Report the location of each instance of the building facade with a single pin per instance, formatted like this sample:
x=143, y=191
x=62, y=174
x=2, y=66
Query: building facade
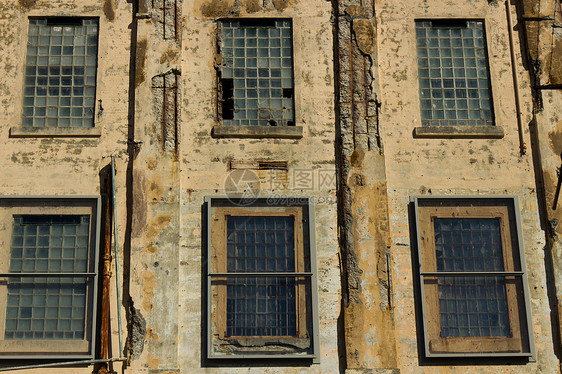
x=280, y=186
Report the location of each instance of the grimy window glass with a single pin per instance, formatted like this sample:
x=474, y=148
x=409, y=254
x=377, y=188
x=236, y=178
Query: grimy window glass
x=261, y=306
x=40, y=307
x=471, y=306
x=472, y=277
x=256, y=73
x=60, y=72
x=454, y=79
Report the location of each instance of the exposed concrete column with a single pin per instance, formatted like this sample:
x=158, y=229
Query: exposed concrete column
x=542, y=30
x=363, y=203
x=156, y=198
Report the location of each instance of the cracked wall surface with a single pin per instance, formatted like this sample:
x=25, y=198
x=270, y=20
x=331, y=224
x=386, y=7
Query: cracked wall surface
x=67, y=166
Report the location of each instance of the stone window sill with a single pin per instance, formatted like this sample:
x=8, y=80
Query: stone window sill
x=55, y=132
x=284, y=132
x=474, y=132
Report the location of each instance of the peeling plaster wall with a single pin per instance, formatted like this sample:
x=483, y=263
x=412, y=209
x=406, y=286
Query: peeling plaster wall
x=67, y=166
x=416, y=166
x=170, y=295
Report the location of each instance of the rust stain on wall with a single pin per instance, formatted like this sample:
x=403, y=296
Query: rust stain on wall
x=217, y=8
x=139, y=204
x=157, y=225
x=252, y=6
x=153, y=362
x=555, y=74
x=555, y=139
x=109, y=10
x=27, y=4
x=283, y=4
x=141, y=62
x=148, y=281
x=168, y=56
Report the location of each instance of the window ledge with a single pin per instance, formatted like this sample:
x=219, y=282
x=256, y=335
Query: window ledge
x=55, y=132
x=285, y=132
x=490, y=132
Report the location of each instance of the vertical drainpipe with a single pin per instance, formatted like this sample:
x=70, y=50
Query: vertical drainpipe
x=104, y=328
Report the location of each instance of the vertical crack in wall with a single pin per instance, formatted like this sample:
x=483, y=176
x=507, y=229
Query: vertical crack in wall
x=166, y=92
x=357, y=120
x=167, y=14
x=363, y=212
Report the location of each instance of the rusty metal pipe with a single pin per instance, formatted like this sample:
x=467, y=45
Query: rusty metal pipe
x=104, y=328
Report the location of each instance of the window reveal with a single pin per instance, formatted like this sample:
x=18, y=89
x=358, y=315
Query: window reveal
x=256, y=73
x=60, y=72
x=454, y=79
x=261, y=281
x=472, y=277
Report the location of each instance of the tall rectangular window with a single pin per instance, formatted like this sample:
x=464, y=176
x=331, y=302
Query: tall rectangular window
x=261, y=279
x=473, y=281
x=454, y=79
x=261, y=306
x=256, y=72
x=60, y=72
x=47, y=303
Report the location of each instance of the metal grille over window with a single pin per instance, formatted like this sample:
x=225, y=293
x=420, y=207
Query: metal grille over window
x=473, y=282
x=453, y=73
x=261, y=279
x=261, y=306
x=60, y=72
x=48, y=307
x=256, y=73
x=471, y=306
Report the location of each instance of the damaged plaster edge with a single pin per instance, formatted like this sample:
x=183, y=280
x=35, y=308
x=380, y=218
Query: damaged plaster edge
x=286, y=132
x=54, y=132
x=490, y=132
x=137, y=333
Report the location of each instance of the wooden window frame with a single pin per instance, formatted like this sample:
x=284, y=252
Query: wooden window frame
x=519, y=341
x=50, y=348
x=299, y=344
x=219, y=264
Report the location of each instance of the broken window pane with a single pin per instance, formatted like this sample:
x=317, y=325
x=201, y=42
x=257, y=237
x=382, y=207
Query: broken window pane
x=255, y=54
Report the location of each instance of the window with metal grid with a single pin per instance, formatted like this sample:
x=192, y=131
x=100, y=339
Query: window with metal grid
x=471, y=306
x=48, y=307
x=256, y=72
x=261, y=306
x=60, y=72
x=454, y=79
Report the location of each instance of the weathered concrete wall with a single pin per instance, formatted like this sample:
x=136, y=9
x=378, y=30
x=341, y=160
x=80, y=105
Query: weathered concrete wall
x=363, y=202
x=67, y=166
x=542, y=33
x=542, y=21
x=457, y=167
x=179, y=163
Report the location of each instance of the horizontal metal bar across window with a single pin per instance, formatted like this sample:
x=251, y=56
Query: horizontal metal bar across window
x=271, y=274
x=470, y=273
x=48, y=275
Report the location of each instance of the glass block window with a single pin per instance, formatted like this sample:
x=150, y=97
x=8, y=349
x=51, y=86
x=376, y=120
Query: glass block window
x=471, y=276
x=60, y=72
x=471, y=306
x=256, y=73
x=48, y=307
x=261, y=306
x=261, y=281
x=454, y=79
